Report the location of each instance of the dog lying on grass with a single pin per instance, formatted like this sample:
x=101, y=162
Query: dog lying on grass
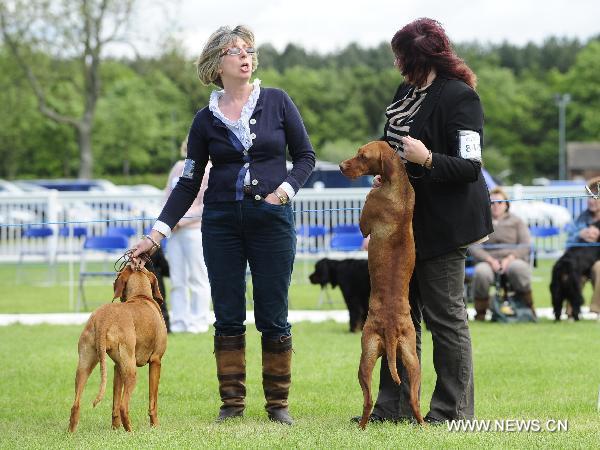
x=132, y=333
x=387, y=218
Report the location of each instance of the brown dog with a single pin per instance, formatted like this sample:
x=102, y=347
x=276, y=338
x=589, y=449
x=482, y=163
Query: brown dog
x=387, y=217
x=133, y=333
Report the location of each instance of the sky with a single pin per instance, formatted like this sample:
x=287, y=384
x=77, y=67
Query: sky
x=325, y=26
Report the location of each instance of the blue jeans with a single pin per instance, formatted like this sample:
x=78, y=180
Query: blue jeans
x=262, y=235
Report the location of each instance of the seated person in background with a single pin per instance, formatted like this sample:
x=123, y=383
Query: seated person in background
x=510, y=257
x=582, y=230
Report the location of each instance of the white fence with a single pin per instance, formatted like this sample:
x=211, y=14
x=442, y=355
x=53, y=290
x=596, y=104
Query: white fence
x=62, y=211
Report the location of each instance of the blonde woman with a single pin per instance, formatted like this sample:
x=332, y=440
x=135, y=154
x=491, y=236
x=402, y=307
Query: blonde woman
x=247, y=219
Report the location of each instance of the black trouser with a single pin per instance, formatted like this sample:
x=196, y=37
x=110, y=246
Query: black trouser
x=436, y=294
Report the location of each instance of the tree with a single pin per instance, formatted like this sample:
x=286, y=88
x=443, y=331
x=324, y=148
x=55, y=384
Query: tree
x=72, y=34
x=581, y=81
x=140, y=123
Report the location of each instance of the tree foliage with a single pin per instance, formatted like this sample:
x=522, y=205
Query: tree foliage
x=145, y=105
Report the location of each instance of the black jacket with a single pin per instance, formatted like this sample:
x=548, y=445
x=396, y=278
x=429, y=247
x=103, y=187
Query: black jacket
x=452, y=203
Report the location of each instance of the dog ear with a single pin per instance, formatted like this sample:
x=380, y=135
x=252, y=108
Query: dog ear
x=386, y=162
x=121, y=282
x=155, y=289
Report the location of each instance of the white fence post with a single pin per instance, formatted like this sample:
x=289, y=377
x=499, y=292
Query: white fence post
x=52, y=216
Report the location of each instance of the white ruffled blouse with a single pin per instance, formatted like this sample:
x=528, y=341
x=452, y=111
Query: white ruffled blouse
x=240, y=127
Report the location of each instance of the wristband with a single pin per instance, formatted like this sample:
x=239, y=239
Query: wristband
x=427, y=160
x=154, y=243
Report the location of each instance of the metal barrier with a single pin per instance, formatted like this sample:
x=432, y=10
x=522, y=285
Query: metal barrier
x=326, y=208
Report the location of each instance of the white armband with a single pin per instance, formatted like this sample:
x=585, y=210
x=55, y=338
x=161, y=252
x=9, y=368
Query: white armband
x=469, y=144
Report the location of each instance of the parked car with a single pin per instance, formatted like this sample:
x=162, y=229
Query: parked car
x=75, y=185
x=327, y=175
x=536, y=212
x=8, y=187
x=140, y=188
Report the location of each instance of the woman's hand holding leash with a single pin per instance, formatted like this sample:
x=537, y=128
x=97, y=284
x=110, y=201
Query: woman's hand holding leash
x=148, y=244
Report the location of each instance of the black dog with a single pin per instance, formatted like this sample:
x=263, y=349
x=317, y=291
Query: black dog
x=160, y=267
x=568, y=275
x=352, y=276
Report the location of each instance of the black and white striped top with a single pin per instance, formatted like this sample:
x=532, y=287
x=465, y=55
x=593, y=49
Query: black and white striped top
x=400, y=115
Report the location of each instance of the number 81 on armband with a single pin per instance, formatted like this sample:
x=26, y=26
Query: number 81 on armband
x=469, y=144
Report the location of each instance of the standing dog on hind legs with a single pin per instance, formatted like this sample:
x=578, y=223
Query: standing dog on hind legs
x=133, y=333
x=387, y=217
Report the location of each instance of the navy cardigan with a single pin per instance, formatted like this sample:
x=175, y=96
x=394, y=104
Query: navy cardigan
x=276, y=124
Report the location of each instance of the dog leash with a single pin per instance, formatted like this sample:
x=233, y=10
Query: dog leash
x=127, y=258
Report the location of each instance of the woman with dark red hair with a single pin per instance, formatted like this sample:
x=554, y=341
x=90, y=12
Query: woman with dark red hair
x=435, y=123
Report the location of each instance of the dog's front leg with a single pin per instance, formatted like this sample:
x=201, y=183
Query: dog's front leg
x=154, y=378
x=117, y=394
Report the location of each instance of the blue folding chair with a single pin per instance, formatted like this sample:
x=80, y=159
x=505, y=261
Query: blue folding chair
x=106, y=245
x=78, y=232
x=121, y=231
x=345, y=229
x=342, y=242
x=346, y=242
x=542, y=237
x=311, y=238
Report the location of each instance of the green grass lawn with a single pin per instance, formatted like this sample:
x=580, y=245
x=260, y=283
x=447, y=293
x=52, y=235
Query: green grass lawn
x=34, y=293
x=525, y=371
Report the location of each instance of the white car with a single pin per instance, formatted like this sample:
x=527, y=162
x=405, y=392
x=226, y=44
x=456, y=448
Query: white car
x=541, y=213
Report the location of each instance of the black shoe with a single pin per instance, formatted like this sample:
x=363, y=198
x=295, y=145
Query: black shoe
x=374, y=418
x=280, y=415
x=434, y=422
x=226, y=413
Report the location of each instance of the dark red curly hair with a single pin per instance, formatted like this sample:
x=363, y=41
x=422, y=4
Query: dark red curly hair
x=423, y=45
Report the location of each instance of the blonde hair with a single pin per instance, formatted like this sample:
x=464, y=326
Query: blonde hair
x=209, y=61
x=499, y=191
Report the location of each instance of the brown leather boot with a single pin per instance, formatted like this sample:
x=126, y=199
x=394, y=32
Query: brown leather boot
x=528, y=300
x=230, y=353
x=481, y=306
x=277, y=377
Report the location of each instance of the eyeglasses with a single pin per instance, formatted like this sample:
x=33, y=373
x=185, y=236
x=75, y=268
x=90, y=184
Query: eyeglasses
x=234, y=51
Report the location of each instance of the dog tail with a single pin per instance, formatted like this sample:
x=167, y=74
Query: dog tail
x=101, y=348
x=391, y=344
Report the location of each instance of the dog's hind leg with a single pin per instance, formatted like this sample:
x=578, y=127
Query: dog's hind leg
x=576, y=304
x=154, y=378
x=372, y=349
x=88, y=358
x=117, y=396
x=410, y=360
x=129, y=376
